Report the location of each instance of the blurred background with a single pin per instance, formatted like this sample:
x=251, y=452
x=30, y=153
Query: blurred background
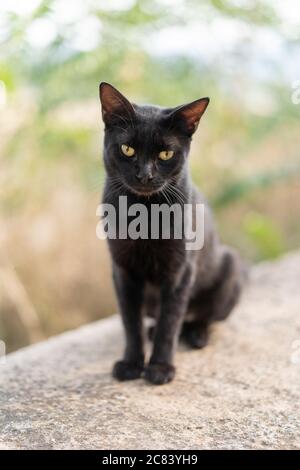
x=244, y=54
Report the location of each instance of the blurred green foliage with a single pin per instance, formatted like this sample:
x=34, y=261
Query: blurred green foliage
x=265, y=234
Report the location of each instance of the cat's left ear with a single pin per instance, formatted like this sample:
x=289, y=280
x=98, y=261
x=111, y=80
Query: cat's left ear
x=190, y=114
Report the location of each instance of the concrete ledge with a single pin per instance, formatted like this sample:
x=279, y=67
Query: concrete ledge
x=242, y=391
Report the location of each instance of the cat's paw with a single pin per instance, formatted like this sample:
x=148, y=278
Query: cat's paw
x=197, y=339
x=195, y=335
x=124, y=370
x=159, y=374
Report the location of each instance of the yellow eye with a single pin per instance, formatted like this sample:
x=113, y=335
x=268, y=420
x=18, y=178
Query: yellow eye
x=166, y=154
x=128, y=151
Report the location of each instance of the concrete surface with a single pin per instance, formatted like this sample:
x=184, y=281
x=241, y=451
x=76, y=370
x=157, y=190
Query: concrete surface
x=242, y=391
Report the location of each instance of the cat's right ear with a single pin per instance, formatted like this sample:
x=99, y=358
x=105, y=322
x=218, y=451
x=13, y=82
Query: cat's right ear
x=187, y=116
x=115, y=106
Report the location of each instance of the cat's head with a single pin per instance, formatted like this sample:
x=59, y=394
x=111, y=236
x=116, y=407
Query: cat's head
x=146, y=147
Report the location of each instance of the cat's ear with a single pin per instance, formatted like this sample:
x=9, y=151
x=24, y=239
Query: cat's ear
x=114, y=105
x=189, y=115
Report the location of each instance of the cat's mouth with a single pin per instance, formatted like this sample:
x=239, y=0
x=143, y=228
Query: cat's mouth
x=145, y=190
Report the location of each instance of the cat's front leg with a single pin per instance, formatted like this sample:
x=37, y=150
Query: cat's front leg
x=130, y=298
x=174, y=301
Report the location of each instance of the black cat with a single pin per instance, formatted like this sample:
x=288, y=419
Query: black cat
x=146, y=159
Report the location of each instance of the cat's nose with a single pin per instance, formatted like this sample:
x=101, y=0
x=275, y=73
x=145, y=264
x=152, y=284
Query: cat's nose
x=144, y=176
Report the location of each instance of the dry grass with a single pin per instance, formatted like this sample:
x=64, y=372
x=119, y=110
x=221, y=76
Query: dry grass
x=62, y=270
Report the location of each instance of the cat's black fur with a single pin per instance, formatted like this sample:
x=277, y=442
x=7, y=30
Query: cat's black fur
x=185, y=291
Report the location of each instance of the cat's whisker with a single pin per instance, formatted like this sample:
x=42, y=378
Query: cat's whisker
x=116, y=185
x=166, y=196
x=172, y=190
x=179, y=191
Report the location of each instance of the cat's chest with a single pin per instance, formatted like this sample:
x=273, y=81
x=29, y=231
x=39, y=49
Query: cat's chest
x=152, y=259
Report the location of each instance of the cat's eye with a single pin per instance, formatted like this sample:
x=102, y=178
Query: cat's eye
x=127, y=150
x=166, y=154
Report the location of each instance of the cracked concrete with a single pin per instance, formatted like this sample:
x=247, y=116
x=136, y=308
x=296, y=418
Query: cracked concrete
x=241, y=392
